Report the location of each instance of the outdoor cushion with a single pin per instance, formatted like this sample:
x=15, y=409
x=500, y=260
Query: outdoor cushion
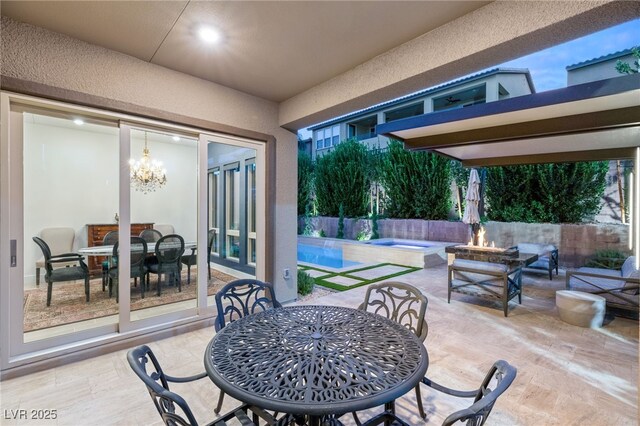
x=479, y=266
x=615, y=281
x=542, y=250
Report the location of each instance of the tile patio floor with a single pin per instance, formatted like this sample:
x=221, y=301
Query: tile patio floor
x=566, y=375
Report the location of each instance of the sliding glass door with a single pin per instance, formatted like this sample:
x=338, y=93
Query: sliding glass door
x=84, y=191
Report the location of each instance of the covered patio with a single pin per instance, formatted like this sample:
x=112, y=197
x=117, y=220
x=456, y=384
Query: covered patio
x=566, y=375
x=133, y=68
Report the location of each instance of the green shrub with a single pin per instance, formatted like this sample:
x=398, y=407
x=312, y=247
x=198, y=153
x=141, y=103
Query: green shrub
x=322, y=234
x=342, y=177
x=305, y=283
x=417, y=184
x=554, y=193
x=608, y=258
x=305, y=182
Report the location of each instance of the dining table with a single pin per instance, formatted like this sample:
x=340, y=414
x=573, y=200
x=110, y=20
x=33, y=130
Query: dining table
x=316, y=362
x=107, y=250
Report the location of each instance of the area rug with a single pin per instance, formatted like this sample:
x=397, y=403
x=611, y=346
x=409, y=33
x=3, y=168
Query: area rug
x=68, y=301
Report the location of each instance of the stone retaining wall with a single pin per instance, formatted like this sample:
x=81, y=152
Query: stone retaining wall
x=576, y=243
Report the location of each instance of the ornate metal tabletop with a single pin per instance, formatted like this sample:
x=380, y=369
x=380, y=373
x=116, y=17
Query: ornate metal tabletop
x=315, y=360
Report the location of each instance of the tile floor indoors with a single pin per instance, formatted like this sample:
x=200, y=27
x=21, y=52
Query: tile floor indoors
x=566, y=375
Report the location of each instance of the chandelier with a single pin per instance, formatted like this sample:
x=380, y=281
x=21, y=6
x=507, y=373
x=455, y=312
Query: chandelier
x=147, y=175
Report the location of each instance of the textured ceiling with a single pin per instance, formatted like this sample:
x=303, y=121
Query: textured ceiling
x=270, y=49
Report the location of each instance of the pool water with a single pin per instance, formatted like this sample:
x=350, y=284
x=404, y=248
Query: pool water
x=323, y=256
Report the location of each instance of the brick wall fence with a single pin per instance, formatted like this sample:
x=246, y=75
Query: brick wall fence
x=576, y=243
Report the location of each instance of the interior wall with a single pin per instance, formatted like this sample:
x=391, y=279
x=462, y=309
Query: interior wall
x=35, y=55
x=71, y=180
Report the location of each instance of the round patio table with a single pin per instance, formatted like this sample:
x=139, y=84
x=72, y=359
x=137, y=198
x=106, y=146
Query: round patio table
x=315, y=360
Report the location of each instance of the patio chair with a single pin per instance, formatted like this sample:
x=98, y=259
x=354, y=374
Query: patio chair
x=403, y=304
x=487, y=280
x=500, y=376
x=68, y=273
x=173, y=409
x=59, y=240
x=169, y=251
x=110, y=239
x=238, y=299
x=138, y=268
x=191, y=259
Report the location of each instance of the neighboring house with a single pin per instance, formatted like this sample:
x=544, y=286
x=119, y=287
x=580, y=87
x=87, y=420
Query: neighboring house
x=595, y=69
x=487, y=86
x=598, y=68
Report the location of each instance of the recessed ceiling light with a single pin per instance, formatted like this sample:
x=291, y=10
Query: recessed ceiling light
x=209, y=35
x=176, y=138
x=78, y=121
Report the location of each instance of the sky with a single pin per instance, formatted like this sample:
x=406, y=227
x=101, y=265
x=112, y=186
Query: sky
x=548, y=66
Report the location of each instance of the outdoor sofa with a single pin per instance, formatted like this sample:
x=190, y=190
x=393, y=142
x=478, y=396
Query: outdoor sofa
x=621, y=288
x=547, y=256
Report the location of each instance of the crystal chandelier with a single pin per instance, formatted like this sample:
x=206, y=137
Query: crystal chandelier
x=147, y=175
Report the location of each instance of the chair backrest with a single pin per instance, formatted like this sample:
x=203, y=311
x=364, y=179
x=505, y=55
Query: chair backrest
x=244, y=297
x=210, y=237
x=151, y=235
x=173, y=409
x=46, y=252
x=170, y=248
x=110, y=238
x=495, y=383
x=59, y=240
x=138, y=252
x=400, y=302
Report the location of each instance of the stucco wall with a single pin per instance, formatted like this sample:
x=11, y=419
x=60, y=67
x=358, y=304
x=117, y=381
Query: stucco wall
x=41, y=56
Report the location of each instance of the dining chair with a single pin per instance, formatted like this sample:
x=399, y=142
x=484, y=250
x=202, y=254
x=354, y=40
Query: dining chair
x=191, y=259
x=169, y=251
x=404, y=304
x=496, y=382
x=151, y=235
x=110, y=238
x=59, y=240
x=68, y=273
x=138, y=253
x=238, y=299
x=173, y=409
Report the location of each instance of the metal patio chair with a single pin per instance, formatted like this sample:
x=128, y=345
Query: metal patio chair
x=404, y=304
x=238, y=299
x=173, y=409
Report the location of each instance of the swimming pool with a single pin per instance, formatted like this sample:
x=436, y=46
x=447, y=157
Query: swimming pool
x=323, y=256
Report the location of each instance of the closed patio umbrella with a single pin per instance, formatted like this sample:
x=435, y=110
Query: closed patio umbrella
x=471, y=215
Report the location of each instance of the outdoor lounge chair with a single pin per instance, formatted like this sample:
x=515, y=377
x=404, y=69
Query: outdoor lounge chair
x=547, y=256
x=486, y=280
x=173, y=409
x=621, y=288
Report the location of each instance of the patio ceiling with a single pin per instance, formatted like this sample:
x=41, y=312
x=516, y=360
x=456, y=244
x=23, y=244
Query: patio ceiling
x=593, y=121
x=270, y=49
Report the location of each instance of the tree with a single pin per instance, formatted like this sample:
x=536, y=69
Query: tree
x=625, y=68
x=417, y=184
x=305, y=182
x=342, y=176
x=555, y=193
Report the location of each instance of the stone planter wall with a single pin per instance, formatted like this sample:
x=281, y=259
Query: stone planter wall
x=576, y=243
